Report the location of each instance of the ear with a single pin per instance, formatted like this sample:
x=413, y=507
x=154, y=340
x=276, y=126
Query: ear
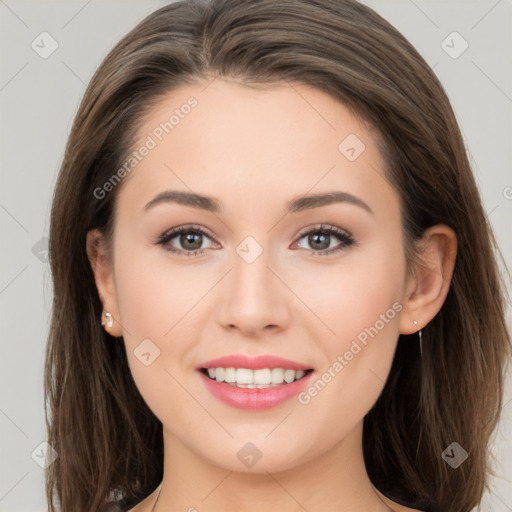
x=429, y=282
x=103, y=270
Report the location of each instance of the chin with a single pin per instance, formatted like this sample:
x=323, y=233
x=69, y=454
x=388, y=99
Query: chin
x=256, y=456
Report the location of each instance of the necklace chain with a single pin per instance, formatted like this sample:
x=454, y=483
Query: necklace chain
x=154, y=506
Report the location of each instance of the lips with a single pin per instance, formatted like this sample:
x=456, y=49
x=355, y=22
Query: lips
x=254, y=363
x=254, y=383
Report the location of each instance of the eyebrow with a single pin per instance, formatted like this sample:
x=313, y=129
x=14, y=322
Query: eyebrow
x=295, y=205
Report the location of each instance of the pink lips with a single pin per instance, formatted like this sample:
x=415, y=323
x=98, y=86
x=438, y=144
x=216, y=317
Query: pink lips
x=254, y=399
x=254, y=363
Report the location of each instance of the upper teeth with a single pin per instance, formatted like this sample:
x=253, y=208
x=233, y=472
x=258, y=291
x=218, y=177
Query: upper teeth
x=245, y=377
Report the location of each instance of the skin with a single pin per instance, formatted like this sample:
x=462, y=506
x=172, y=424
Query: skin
x=254, y=150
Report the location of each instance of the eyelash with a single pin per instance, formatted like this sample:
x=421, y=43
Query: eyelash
x=345, y=237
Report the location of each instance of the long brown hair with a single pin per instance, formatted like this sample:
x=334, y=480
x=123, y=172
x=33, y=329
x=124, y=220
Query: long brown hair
x=108, y=441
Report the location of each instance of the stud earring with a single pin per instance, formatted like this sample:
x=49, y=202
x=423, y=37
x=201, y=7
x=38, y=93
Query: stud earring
x=110, y=321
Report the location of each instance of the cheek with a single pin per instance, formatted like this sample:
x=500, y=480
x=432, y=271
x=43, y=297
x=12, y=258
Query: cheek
x=159, y=303
x=353, y=294
x=152, y=294
x=152, y=306
x=360, y=302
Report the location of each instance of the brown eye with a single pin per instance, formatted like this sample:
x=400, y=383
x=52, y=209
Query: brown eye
x=321, y=237
x=184, y=240
x=191, y=241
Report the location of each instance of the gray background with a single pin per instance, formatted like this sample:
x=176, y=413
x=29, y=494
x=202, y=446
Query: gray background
x=38, y=100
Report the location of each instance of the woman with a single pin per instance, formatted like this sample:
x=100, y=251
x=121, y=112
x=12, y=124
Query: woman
x=275, y=286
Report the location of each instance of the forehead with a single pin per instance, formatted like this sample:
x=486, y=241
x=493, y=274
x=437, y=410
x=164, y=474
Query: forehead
x=276, y=140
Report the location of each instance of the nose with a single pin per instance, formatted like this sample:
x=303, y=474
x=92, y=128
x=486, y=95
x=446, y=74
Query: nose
x=255, y=299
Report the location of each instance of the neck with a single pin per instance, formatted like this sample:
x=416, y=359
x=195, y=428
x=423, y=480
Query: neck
x=336, y=480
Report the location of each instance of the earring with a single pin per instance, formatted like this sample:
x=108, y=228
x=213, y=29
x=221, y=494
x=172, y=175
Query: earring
x=110, y=321
x=415, y=322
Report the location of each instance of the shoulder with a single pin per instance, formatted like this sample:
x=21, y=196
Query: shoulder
x=402, y=508
x=394, y=506
x=119, y=506
x=112, y=507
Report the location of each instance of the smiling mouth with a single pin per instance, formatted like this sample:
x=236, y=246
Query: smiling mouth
x=255, y=379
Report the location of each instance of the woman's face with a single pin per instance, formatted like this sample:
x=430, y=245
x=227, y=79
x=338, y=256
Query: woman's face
x=265, y=278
